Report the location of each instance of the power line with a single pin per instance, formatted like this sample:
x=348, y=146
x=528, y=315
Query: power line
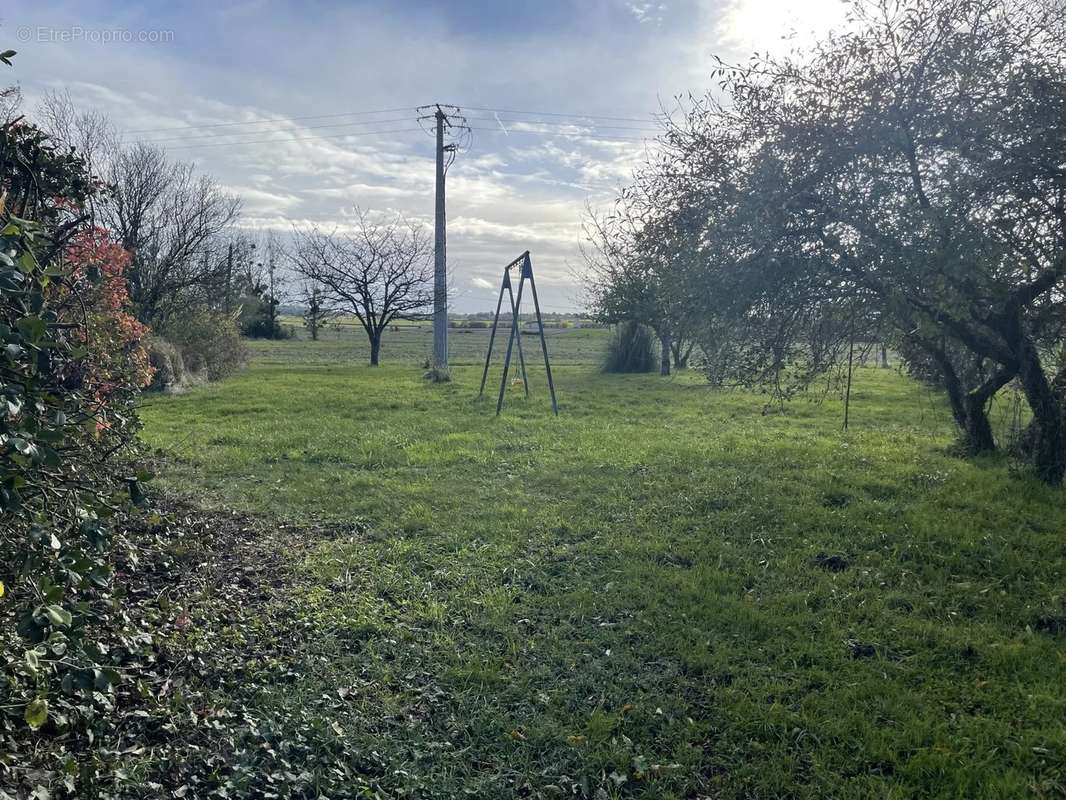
x=596, y=126
x=214, y=136
x=589, y=135
x=209, y=136
x=295, y=139
x=277, y=119
x=338, y=115
x=285, y=139
x=557, y=114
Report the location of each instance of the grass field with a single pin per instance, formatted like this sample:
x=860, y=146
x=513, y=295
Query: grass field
x=662, y=593
x=411, y=343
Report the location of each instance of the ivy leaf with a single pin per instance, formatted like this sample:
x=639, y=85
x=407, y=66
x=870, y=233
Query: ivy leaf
x=27, y=263
x=33, y=328
x=58, y=615
x=36, y=713
x=1, y=588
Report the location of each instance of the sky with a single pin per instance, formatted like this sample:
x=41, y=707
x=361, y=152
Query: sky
x=308, y=110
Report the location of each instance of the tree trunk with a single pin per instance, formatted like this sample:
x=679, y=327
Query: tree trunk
x=682, y=350
x=1028, y=437
x=968, y=407
x=1048, y=430
x=375, y=349
x=664, y=358
x=977, y=430
x=884, y=357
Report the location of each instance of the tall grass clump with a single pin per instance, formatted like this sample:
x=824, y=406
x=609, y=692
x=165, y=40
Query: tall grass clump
x=630, y=349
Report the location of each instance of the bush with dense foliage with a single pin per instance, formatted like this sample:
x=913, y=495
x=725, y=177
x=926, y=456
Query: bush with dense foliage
x=117, y=358
x=259, y=317
x=71, y=361
x=209, y=343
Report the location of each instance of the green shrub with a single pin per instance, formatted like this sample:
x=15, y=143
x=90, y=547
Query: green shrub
x=210, y=343
x=70, y=367
x=631, y=349
x=258, y=318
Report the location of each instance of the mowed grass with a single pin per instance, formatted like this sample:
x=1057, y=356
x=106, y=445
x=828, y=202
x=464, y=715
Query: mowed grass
x=663, y=593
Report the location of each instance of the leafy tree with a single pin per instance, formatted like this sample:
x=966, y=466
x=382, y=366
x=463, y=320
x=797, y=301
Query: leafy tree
x=925, y=146
x=635, y=274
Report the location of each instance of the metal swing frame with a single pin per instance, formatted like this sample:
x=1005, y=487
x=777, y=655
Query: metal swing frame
x=525, y=264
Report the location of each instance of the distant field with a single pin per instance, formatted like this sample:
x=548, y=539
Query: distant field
x=410, y=342
x=662, y=593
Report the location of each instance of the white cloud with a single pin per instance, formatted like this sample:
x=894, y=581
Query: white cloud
x=506, y=193
x=645, y=12
x=774, y=25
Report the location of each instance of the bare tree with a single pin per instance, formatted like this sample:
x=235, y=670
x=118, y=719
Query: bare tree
x=168, y=217
x=379, y=272
x=89, y=132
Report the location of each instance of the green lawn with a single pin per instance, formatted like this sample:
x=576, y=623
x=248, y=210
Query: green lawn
x=663, y=592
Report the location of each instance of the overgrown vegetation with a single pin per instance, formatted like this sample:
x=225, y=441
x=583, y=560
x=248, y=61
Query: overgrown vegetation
x=209, y=343
x=189, y=273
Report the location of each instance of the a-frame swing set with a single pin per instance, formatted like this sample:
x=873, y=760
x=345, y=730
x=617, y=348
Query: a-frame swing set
x=523, y=263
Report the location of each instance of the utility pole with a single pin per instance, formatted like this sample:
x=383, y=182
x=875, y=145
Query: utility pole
x=445, y=118
x=440, y=260
x=272, y=305
x=227, y=299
